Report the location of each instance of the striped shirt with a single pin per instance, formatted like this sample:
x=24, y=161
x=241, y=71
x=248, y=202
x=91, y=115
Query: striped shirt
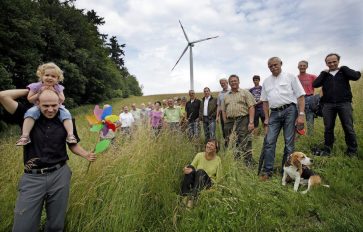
x=236, y=104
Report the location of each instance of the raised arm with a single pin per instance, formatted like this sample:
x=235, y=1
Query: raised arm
x=32, y=96
x=8, y=97
x=350, y=73
x=61, y=97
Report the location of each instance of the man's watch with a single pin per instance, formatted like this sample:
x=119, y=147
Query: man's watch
x=302, y=113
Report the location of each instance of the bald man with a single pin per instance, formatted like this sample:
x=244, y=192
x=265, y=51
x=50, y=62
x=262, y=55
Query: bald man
x=46, y=177
x=282, y=95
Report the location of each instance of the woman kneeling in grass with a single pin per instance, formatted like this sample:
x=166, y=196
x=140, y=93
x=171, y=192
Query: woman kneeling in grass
x=205, y=169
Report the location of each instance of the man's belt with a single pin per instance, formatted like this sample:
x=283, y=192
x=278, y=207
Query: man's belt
x=45, y=170
x=280, y=108
x=309, y=95
x=237, y=117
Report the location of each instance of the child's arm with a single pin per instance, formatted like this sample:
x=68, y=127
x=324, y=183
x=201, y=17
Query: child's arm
x=61, y=97
x=32, y=96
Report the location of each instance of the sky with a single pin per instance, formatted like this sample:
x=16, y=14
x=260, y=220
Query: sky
x=250, y=32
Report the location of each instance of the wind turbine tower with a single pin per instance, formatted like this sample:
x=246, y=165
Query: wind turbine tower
x=190, y=45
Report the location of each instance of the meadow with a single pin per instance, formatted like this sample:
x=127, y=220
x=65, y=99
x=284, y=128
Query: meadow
x=134, y=185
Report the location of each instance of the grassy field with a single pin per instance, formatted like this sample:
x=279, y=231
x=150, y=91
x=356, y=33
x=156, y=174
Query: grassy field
x=134, y=185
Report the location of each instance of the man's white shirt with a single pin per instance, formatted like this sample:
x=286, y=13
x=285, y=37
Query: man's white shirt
x=126, y=119
x=281, y=90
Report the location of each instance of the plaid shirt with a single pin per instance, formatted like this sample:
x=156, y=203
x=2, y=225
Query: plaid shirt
x=236, y=104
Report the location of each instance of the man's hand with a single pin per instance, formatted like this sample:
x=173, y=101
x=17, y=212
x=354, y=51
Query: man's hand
x=251, y=126
x=300, y=121
x=266, y=121
x=90, y=156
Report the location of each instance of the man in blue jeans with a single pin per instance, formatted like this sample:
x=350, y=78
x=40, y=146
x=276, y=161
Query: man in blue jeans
x=280, y=93
x=306, y=81
x=337, y=98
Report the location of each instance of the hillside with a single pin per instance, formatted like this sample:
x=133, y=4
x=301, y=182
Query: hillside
x=134, y=185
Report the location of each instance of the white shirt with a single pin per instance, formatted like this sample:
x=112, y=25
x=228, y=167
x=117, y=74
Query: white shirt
x=126, y=119
x=281, y=90
x=205, y=110
x=334, y=72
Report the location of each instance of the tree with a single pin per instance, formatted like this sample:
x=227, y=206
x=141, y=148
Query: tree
x=116, y=52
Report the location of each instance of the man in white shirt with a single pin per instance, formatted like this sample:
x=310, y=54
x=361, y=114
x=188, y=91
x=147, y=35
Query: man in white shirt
x=126, y=120
x=280, y=93
x=207, y=114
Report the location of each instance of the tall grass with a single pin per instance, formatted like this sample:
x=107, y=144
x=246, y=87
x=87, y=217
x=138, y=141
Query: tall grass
x=134, y=185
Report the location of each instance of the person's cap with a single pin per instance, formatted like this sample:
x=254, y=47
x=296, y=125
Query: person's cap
x=300, y=129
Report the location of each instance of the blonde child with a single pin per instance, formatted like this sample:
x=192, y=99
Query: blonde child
x=49, y=77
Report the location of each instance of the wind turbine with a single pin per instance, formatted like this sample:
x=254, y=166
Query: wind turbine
x=190, y=45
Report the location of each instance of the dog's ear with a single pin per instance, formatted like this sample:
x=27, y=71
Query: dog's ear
x=296, y=162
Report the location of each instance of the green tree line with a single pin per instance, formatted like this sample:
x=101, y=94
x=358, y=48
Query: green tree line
x=36, y=31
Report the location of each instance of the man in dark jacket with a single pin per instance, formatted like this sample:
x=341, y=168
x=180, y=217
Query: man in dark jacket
x=208, y=113
x=337, y=100
x=192, y=109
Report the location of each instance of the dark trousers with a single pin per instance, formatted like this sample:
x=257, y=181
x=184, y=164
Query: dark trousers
x=222, y=125
x=194, y=182
x=209, y=125
x=244, y=139
x=345, y=112
x=259, y=114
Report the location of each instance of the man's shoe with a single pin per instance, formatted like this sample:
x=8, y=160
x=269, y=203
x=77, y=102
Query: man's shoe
x=265, y=177
x=190, y=203
x=352, y=154
x=185, y=200
x=249, y=162
x=320, y=152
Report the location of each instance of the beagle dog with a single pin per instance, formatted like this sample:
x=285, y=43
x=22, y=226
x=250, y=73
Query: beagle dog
x=297, y=168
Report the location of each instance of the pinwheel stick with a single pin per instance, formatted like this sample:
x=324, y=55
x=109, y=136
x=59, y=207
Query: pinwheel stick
x=101, y=146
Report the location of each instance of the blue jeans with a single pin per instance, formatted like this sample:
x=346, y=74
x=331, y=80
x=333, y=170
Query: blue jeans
x=309, y=114
x=345, y=112
x=284, y=119
x=259, y=114
x=209, y=125
x=193, y=129
x=34, y=113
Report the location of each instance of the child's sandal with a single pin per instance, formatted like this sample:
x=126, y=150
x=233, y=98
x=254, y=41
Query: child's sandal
x=24, y=140
x=71, y=139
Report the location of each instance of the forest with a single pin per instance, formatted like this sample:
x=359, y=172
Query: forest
x=33, y=32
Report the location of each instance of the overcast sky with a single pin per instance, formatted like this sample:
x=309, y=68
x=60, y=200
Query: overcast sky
x=249, y=31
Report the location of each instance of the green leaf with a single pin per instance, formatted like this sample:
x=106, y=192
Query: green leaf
x=96, y=128
x=102, y=146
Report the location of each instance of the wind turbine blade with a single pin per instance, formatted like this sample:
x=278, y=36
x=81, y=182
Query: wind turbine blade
x=185, y=34
x=186, y=48
x=197, y=41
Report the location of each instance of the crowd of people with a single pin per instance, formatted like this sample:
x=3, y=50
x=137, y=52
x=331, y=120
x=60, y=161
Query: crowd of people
x=283, y=102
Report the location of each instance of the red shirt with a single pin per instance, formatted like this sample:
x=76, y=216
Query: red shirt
x=306, y=81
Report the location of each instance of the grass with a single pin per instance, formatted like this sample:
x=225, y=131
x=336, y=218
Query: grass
x=134, y=185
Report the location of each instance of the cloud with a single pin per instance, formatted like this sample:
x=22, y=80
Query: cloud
x=250, y=31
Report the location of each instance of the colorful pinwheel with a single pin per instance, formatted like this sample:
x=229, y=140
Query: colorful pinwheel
x=102, y=120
